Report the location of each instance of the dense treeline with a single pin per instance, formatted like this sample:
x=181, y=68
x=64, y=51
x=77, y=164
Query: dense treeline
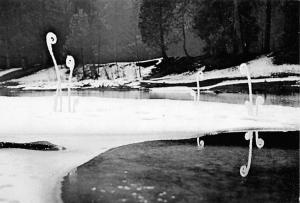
x=23, y=26
x=97, y=31
x=231, y=27
x=91, y=30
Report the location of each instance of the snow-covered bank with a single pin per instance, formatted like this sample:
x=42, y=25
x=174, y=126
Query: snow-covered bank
x=127, y=75
x=100, y=124
x=4, y=72
x=261, y=67
x=110, y=75
x=179, y=89
x=261, y=80
x=34, y=116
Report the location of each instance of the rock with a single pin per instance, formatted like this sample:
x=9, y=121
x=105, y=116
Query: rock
x=39, y=145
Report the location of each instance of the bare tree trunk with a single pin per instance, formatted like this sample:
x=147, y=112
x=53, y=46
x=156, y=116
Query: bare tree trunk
x=115, y=49
x=19, y=51
x=23, y=59
x=99, y=52
x=115, y=39
x=7, y=54
x=237, y=41
x=161, y=34
x=137, y=50
x=136, y=19
x=23, y=62
x=267, y=27
x=106, y=73
x=183, y=30
x=137, y=55
x=184, y=40
x=99, y=58
x=44, y=59
x=83, y=73
x=115, y=45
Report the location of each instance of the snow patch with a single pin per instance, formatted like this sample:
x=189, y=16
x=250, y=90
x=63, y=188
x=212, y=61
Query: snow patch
x=4, y=72
x=234, y=82
x=100, y=124
x=111, y=75
x=262, y=67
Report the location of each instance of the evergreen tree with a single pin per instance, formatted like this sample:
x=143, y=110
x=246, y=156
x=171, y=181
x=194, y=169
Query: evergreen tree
x=268, y=26
x=8, y=27
x=213, y=23
x=155, y=23
x=78, y=41
x=291, y=23
x=231, y=28
x=183, y=20
x=249, y=27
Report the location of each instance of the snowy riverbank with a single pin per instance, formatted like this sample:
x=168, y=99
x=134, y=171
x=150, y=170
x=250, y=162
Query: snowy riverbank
x=126, y=75
x=262, y=71
x=110, y=75
x=258, y=68
x=100, y=124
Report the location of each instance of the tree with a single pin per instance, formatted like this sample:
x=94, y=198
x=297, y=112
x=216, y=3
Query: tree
x=237, y=35
x=78, y=41
x=249, y=28
x=219, y=31
x=155, y=23
x=231, y=28
x=8, y=26
x=267, y=26
x=183, y=21
x=136, y=34
x=291, y=20
x=24, y=25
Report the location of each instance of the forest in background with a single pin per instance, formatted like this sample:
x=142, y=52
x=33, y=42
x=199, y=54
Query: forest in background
x=100, y=31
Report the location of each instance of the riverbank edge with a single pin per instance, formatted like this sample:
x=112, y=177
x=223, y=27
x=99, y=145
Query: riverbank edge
x=284, y=87
x=209, y=135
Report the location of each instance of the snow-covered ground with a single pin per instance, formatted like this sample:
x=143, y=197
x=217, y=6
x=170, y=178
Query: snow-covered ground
x=233, y=82
x=4, y=72
x=127, y=74
x=99, y=124
x=261, y=67
x=120, y=74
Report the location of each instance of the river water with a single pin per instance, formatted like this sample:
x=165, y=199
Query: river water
x=234, y=98
x=176, y=171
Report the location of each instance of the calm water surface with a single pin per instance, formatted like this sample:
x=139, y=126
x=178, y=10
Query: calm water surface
x=176, y=171
x=235, y=98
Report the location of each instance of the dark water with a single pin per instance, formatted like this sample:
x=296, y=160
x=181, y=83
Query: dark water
x=235, y=98
x=177, y=171
x=124, y=94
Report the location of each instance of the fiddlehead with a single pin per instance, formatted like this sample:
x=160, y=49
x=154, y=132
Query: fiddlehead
x=259, y=141
x=70, y=63
x=200, y=143
x=51, y=39
x=245, y=71
x=244, y=170
x=199, y=77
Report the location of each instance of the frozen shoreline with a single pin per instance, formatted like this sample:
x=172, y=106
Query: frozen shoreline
x=100, y=124
x=261, y=70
